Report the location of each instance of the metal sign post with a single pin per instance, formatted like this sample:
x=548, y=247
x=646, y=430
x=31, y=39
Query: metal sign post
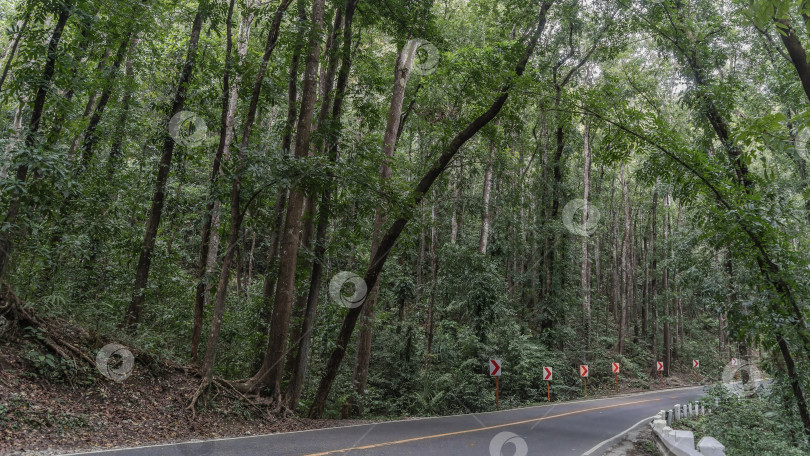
x=495, y=371
x=583, y=372
x=616, y=371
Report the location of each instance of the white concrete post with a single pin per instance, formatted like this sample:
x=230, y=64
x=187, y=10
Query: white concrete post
x=677, y=410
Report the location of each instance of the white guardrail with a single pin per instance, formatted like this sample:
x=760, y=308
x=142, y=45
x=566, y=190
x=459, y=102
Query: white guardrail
x=682, y=443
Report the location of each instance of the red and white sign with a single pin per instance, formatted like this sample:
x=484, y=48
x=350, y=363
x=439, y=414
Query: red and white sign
x=547, y=374
x=615, y=368
x=660, y=366
x=733, y=361
x=583, y=371
x=494, y=368
x=695, y=363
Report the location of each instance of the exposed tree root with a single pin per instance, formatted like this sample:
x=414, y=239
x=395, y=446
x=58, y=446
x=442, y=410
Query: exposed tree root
x=14, y=311
x=234, y=390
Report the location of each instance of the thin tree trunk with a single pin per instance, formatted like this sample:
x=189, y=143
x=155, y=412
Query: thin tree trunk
x=210, y=237
x=90, y=133
x=666, y=291
x=586, y=264
x=485, y=214
x=434, y=268
x=6, y=242
x=279, y=211
x=626, y=264
x=211, y=216
x=116, y=150
x=135, y=308
x=15, y=43
x=456, y=198
x=654, y=271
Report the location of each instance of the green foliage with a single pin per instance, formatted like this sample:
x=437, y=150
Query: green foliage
x=766, y=425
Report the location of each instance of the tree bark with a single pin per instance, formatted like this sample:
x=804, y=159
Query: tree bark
x=116, y=150
x=654, y=271
x=487, y=193
x=626, y=292
x=90, y=133
x=271, y=371
x=666, y=291
x=279, y=211
x=236, y=214
x=585, y=282
x=297, y=379
x=135, y=308
x=402, y=72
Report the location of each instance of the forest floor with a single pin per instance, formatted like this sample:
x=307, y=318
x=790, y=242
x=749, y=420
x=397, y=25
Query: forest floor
x=49, y=407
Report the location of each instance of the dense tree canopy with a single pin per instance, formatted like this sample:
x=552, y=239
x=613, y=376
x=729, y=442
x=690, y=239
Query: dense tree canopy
x=554, y=183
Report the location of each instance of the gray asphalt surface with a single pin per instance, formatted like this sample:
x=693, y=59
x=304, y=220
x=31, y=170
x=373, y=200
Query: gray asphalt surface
x=569, y=428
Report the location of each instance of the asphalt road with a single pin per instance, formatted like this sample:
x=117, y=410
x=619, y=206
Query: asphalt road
x=569, y=428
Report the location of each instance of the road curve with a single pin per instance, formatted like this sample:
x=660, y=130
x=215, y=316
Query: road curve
x=560, y=429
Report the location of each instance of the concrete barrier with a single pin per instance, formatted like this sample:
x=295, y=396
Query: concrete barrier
x=671, y=442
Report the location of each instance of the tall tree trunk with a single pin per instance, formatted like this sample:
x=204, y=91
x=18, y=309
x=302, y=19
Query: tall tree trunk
x=626, y=293
x=402, y=72
x=434, y=268
x=297, y=379
x=211, y=217
x=585, y=282
x=90, y=133
x=236, y=214
x=487, y=193
x=48, y=70
x=116, y=150
x=666, y=292
x=389, y=239
x=279, y=211
x=272, y=367
x=654, y=271
x=135, y=308
x=212, y=209
x=454, y=219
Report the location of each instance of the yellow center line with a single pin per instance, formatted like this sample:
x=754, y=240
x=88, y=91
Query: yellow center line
x=486, y=428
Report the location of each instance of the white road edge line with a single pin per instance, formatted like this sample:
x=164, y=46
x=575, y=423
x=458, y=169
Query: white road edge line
x=615, y=438
x=109, y=450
